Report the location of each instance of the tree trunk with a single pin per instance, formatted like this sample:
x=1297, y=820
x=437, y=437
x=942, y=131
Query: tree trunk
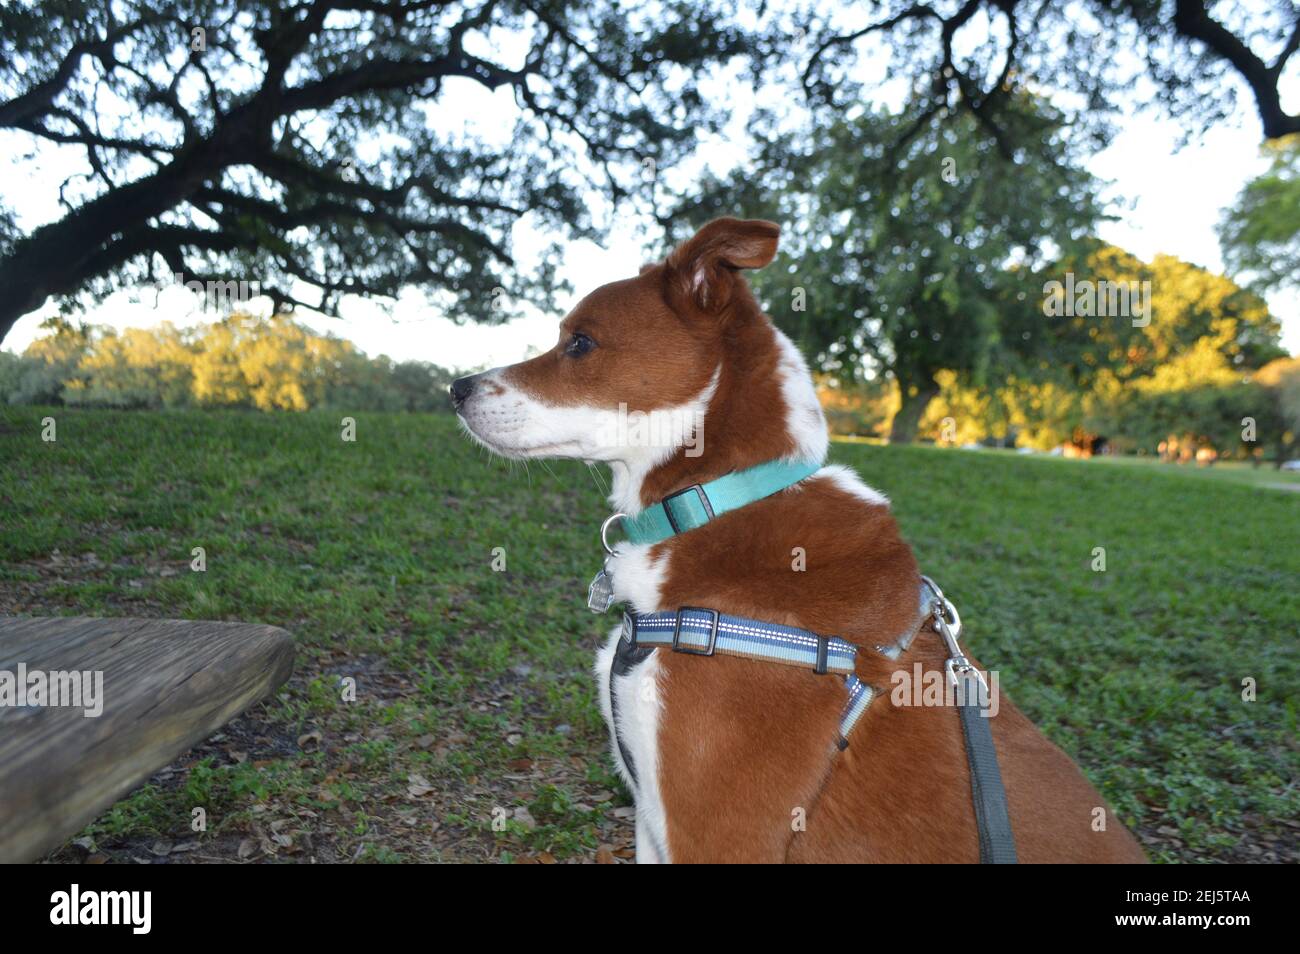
x=916, y=398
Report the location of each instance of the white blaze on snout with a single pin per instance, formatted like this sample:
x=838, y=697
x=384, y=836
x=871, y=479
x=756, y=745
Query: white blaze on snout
x=513, y=423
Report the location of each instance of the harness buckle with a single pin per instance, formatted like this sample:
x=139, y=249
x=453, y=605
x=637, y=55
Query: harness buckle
x=704, y=502
x=713, y=633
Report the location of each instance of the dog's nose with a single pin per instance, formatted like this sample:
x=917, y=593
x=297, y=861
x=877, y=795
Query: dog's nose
x=460, y=390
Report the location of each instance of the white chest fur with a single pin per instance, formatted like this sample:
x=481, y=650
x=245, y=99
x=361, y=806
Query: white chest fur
x=636, y=700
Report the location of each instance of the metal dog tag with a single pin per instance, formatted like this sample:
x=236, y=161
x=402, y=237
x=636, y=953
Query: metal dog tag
x=600, y=595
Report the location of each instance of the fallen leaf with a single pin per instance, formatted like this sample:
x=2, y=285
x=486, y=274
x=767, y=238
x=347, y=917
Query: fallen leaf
x=525, y=818
x=418, y=786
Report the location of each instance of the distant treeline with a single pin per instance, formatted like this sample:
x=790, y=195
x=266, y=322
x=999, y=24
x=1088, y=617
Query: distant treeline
x=242, y=361
x=1190, y=407
x=1201, y=373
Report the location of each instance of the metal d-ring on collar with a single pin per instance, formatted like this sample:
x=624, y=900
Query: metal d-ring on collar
x=604, y=530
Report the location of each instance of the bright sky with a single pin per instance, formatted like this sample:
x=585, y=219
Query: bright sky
x=1167, y=201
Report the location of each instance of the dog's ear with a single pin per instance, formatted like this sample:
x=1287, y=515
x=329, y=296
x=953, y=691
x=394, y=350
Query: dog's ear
x=703, y=268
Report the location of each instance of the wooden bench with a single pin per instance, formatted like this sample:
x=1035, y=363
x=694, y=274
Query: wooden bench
x=167, y=685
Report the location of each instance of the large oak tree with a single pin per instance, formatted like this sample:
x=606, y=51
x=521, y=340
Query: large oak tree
x=1191, y=58
x=298, y=142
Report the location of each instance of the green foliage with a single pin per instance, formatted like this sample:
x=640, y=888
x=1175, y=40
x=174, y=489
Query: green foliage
x=1184, y=370
x=1260, y=233
x=907, y=223
x=46, y=368
x=906, y=240
x=241, y=361
x=926, y=258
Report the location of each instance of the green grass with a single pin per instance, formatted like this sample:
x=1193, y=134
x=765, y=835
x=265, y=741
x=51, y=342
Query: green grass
x=1234, y=471
x=474, y=734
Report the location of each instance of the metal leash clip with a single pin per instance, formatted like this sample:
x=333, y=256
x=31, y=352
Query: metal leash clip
x=947, y=623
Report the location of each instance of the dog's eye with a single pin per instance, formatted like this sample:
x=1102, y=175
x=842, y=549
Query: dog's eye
x=578, y=346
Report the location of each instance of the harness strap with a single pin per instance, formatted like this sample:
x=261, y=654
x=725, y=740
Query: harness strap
x=699, y=631
x=626, y=656
x=705, y=632
x=860, y=697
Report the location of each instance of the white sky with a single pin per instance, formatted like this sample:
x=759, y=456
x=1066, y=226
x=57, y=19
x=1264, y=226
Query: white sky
x=1167, y=202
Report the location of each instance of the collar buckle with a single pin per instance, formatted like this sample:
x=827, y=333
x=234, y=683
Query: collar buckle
x=704, y=502
x=713, y=632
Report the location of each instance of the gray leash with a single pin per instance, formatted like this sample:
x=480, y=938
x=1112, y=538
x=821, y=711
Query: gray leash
x=997, y=843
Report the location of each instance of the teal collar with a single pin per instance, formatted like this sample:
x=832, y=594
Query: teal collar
x=700, y=503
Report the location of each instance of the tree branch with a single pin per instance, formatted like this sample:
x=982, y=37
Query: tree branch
x=1191, y=20
x=917, y=11
x=38, y=100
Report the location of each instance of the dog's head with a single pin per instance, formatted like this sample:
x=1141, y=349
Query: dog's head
x=636, y=361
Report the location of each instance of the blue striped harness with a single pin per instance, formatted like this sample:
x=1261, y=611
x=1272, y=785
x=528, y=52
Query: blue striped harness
x=700, y=631
x=697, y=631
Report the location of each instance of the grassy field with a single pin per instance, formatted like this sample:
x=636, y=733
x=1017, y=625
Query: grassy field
x=474, y=700
x=1265, y=475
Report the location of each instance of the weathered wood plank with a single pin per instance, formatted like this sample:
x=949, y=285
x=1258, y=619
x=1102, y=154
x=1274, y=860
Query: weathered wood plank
x=167, y=685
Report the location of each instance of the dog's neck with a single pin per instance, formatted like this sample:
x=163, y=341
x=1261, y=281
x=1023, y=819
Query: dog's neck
x=760, y=405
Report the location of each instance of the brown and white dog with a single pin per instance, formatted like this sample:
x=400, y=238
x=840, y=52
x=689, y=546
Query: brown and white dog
x=735, y=759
